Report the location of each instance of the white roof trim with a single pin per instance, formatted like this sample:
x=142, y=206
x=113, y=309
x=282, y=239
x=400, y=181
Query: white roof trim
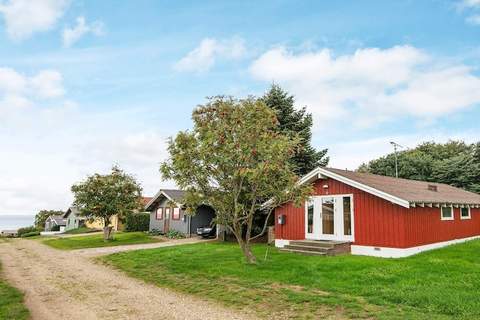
x=319, y=172
x=159, y=193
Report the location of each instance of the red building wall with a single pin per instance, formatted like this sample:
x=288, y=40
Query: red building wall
x=424, y=226
x=378, y=222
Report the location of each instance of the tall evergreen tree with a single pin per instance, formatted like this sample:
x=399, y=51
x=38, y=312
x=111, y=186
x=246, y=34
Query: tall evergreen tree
x=299, y=122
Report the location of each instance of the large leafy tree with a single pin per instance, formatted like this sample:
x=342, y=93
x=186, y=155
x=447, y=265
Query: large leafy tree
x=233, y=159
x=103, y=196
x=455, y=163
x=297, y=121
x=42, y=216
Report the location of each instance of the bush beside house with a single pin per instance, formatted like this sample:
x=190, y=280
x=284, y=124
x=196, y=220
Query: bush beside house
x=137, y=221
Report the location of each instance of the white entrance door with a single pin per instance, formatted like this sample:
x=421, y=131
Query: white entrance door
x=329, y=218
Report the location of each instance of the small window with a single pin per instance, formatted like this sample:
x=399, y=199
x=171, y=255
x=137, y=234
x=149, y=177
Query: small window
x=465, y=213
x=167, y=213
x=447, y=213
x=159, y=213
x=176, y=214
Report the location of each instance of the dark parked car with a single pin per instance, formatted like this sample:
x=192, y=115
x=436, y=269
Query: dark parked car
x=207, y=232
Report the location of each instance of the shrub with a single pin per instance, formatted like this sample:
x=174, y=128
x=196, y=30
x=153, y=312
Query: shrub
x=30, y=234
x=137, y=221
x=174, y=234
x=155, y=232
x=29, y=229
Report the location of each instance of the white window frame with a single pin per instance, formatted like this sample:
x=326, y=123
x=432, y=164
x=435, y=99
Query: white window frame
x=317, y=224
x=447, y=218
x=469, y=213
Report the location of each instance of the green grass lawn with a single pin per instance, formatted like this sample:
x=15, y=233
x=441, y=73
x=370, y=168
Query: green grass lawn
x=441, y=284
x=81, y=230
x=96, y=240
x=11, y=303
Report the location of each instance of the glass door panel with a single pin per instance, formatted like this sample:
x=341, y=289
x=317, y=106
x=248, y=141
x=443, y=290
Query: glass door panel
x=347, y=216
x=328, y=215
x=310, y=212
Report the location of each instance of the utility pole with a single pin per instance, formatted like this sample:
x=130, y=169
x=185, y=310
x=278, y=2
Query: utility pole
x=395, y=146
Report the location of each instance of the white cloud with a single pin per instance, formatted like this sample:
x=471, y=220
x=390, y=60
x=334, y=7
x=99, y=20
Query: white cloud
x=72, y=35
x=19, y=91
x=371, y=85
x=139, y=153
x=11, y=81
x=55, y=143
x=45, y=83
x=48, y=84
x=26, y=17
x=67, y=144
x=204, y=57
x=470, y=3
x=471, y=7
x=474, y=20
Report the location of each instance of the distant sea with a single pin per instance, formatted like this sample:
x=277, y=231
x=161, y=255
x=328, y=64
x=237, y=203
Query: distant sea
x=15, y=221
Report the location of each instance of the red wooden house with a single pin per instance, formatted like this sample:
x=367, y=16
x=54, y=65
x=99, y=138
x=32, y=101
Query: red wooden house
x=379, y=216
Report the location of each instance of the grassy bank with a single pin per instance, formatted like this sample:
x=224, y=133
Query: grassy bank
x=11, y=303
x=81, y=230
x=96, y=240
x=441, y=284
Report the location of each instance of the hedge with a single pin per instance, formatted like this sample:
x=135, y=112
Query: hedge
x=30, y=234
x=137, y=221
x=22, y=231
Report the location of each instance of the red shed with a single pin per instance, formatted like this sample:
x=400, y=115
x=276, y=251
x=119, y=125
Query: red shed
x=380, y=216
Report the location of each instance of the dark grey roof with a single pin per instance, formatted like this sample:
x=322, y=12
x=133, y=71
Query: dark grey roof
x=172, y=194
x=59, y=220
x=175, y=195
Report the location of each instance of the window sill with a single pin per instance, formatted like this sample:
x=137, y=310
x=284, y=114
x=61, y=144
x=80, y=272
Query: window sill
x=447, y=219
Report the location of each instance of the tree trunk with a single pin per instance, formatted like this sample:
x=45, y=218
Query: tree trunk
x=245, y=246
x=247, y=252
x=107, y=233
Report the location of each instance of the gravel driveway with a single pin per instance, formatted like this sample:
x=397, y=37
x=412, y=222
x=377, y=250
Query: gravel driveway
x=92, y=252
x=69, y=285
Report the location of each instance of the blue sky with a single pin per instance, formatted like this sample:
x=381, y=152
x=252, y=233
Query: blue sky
x=85, y=84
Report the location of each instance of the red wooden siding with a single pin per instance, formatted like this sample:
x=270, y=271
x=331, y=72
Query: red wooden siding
x=294, y=227
x=378, y=222
x=424, y=226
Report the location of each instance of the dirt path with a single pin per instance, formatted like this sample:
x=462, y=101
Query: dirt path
x=92, y=252
x=67, y=285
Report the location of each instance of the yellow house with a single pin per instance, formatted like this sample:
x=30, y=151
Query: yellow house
x=115, y=221
x=98, y=223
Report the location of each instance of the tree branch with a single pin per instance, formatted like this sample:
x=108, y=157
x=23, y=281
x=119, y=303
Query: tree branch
x=264, y=226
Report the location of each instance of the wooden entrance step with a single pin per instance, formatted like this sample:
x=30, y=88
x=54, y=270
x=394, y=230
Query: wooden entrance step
x=304, y=252
x=317, y=247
